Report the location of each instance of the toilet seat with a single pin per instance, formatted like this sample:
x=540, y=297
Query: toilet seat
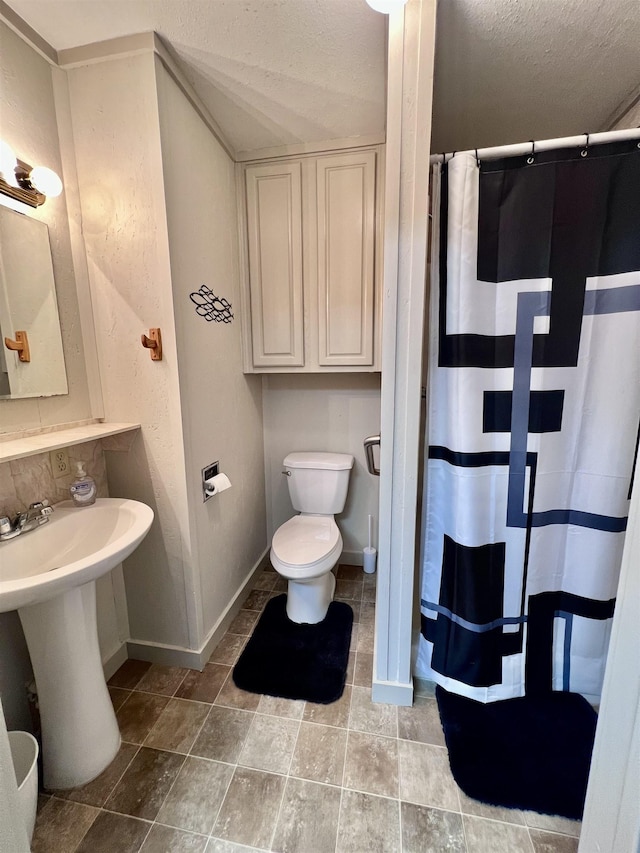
x=306, y=546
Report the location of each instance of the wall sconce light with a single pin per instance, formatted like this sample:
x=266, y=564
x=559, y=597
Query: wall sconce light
x=386, y=6
x=21, y=181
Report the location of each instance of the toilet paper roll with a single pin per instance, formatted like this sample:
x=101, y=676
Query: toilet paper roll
x=217, y=484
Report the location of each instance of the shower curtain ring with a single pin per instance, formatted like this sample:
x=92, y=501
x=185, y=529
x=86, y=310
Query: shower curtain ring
x=585, y=150
x=531, y=158
x=477, y=159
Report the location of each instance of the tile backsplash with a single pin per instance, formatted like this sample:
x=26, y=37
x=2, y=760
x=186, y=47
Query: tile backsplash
x=23, y=481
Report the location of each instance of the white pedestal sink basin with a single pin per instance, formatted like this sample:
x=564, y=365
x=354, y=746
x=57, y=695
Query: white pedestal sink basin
x=48, y=575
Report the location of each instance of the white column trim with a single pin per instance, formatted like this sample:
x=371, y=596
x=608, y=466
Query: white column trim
x=409, y=97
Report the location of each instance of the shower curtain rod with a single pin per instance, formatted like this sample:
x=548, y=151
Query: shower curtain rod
x=520, y=148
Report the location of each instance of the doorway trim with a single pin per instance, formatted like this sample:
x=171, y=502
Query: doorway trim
x=411, y=50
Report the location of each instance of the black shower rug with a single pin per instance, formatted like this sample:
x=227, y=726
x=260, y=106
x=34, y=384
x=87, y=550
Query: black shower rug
x=528, y=753
x=293, y=661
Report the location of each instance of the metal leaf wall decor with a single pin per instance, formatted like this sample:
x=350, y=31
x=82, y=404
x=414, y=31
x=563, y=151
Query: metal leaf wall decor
x=210, y=306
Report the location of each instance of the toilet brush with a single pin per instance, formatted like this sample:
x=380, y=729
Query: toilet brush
x=369, y=553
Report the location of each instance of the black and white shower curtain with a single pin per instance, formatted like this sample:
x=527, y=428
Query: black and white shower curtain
x=533, y=418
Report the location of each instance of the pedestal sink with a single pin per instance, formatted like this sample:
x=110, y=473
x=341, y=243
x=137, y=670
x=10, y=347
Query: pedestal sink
x=48, y=575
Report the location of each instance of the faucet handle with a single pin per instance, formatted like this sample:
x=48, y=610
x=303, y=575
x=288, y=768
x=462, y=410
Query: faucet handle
x=5, y=525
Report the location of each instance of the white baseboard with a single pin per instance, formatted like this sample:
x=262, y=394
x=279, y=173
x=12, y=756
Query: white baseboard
x=168, y=655
x=114, y=661
x=392, y=692
x=352, y=558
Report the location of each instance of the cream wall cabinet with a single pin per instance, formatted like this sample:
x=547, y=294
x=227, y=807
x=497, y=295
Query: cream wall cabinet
x=311, y=303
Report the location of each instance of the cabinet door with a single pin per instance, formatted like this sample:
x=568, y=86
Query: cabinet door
x=274, y=231
x=345, y=185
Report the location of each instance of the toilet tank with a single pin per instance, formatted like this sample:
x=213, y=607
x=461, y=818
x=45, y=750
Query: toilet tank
x=318, y=482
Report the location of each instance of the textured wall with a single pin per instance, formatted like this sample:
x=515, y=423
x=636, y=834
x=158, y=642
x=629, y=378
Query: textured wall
x=316, y=412
x=29, y=125
x=116, y=135
x=221, y=407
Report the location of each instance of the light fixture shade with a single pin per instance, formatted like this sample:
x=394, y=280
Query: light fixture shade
x=8, y=163
x=386, y=6
x=45, y=181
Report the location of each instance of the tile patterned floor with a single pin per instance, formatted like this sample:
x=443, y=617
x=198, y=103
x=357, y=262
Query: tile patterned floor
x=207, y=768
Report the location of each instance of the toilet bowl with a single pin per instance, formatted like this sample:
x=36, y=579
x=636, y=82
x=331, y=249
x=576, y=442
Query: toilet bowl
x=305, y=548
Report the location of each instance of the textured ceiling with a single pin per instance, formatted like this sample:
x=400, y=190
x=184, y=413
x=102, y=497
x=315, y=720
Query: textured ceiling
x=512, y=70
x=271, y=71
x=281, y=71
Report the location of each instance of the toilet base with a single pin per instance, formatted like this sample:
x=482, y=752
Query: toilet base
x=308, y=600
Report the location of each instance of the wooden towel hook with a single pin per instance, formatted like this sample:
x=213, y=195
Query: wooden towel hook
x=20, y=345
x=153, y=343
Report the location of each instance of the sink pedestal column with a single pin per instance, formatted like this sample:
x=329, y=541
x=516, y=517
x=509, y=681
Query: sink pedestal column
x=80, y=735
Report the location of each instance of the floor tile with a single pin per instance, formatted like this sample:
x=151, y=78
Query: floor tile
x=351, y=665
x=281, y=584
x=553, y=823
x=129, y=674
x=162, y=679
x=427, y=830
x=491, y=836
x=291, y=708
x=228, y=649
x=203, y=686
x=194, y=800
x=219, y=845
x=250, y=808
x=319, y=754
x=142, y=789
x=308, y=819
x=118, y=696
x=368, y=823
x=223, y=734
x=265, y=581
x=256, y=600
x=95, y=793
x=421, y=722
x=61, y=825
x=101, y=838
x=551, y=842
x=369, y=588
x=334, y=714
x=244, y=622
x=349, y=573
x=363, y=673
x=478, y=809
x=178, y=725
x=165, y=839
x=346, y=589
x=233, y=697
x=269, y=744
x=373, y=717
x=371, y=764
x=425, y=777
x=365, y=637
x=139, y=714
x=368, y=612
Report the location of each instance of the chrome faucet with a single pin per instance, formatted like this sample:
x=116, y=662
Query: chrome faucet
x=37, y=514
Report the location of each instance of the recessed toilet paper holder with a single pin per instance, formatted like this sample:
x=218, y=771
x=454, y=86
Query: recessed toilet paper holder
x=207, y=473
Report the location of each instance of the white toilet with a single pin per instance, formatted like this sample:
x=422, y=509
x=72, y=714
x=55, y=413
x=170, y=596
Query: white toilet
x=306, y=548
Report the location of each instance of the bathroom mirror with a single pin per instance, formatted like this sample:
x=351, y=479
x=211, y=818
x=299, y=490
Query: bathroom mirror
x=28, y=304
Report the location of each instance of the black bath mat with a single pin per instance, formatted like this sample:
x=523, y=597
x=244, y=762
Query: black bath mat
x=528, y=753
x=283, y=658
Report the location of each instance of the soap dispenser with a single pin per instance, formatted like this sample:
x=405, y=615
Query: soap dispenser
x=83, y=489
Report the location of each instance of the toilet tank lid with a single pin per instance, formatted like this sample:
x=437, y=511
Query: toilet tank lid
x=320, y=460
